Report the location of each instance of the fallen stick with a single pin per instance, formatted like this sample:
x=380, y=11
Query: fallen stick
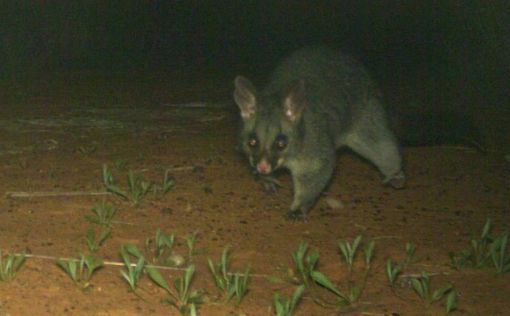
x=106, y=263
x=49, y=194
x=121, y=264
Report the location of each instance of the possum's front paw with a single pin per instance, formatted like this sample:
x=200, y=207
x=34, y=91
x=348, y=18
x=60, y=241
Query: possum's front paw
x=297, y=215
x=269, y=187
x=397, y=181
x=270, y=184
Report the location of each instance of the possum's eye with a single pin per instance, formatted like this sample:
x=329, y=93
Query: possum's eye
x=281, y=142
x=252, y=141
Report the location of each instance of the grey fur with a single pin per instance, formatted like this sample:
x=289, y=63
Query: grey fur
x=317, y=101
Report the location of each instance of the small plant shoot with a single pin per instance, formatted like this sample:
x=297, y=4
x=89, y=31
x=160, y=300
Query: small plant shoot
x=286, y=307
x=355, y=287
x=104, y=214
x=133, y=271
x=137, y=188
x=94, y=243
x=393, y=270
x=10, y=265
x=421, y=286
x=183, y=298
x=190, y=243
x=81, y=271
x=484, y=252
x=348, y=250
x=160, y=248
x=231, y=284
x=305, y=263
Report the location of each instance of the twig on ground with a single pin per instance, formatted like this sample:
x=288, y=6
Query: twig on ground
x=121, y=264
x=50, y=194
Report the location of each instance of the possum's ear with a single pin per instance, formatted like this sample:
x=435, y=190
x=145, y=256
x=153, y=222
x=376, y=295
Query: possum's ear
x=244, y=96
x=294, y=102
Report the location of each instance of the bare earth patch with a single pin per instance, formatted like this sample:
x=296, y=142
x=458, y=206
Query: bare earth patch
x=55, y=141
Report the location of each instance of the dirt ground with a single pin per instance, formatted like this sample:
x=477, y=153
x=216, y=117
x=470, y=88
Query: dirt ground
x=56, y=133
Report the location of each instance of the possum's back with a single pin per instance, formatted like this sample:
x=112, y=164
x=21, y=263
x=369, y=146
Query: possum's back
x=326, y=72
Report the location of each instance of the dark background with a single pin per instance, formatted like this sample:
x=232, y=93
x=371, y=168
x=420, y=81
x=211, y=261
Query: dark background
x=464, y=45
x=444, y=36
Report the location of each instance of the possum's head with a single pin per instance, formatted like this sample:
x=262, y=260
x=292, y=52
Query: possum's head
x=272, y=124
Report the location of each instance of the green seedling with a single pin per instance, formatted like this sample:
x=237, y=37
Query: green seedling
x=168, y=182
x=89, y=265
x=137, y=188
x=348, y=250
x=104, y=214
x=93, y=244
x=161, y=244
x=70, y=267
x=393, y=270
x=478, y=254
x=231, y=284
x=133, y=271
x=182, y=297
x=480, y=248
x=285, y=307
x=451, y=301
x=81, y=271
x=342, y=299
x=87, y=149
x=305, y=263
x=10, y=265
x=410, y=250
x=460, y=260
x=130, y=249
x=120, y=164
x=241, y=285
x=421, y=285
x=368, y=254
x=190, y=243
x=160, y=250
x=109, y=184
x=499, y=255
x=166, y=185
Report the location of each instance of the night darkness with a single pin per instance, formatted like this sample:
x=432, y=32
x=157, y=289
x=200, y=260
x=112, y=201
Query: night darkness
x=448, y=52
x=441, y=36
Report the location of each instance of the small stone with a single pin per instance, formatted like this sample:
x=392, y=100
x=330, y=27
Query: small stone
x=334, y=203
x=176, y=260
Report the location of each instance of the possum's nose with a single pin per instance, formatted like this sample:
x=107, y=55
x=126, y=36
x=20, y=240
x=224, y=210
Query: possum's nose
x=263, y=167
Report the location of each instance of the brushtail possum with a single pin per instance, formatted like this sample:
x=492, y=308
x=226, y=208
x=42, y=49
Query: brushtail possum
x=317, y=100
